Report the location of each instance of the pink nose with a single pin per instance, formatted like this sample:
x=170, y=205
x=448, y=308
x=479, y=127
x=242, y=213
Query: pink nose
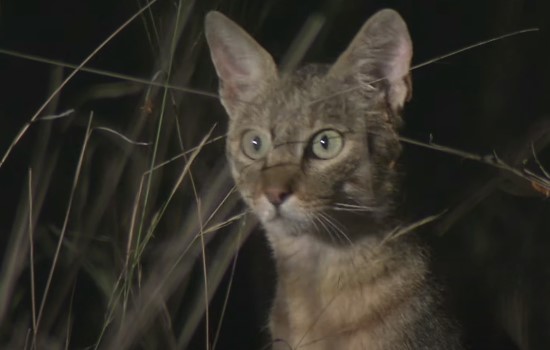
x=277, y=195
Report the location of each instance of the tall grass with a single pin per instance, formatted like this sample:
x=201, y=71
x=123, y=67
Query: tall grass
x=131, y=235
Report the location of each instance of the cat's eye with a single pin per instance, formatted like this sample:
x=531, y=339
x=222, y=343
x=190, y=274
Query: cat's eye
x=255, y=143
x=327, y=144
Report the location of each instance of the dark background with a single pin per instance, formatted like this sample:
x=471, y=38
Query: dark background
x=490, y=250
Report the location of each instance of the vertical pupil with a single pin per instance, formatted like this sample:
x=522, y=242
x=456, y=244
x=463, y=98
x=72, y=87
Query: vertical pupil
x=256, y=143
x=324, y=141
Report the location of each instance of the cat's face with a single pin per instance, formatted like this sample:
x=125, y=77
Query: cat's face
x=312, y=150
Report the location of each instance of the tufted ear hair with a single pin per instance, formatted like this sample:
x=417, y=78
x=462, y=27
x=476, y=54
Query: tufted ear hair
x=244, y=68
x=381, y=50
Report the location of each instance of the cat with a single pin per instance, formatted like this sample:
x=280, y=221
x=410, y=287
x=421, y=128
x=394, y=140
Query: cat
x=313, y=154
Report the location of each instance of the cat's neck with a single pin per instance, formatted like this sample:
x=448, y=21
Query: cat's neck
x=307, y=255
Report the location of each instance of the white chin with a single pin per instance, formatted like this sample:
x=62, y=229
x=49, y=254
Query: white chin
x=272, y=217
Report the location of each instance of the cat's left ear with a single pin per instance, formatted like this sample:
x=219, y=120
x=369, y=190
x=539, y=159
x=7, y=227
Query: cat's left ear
x=244, y=68
x=382, y=50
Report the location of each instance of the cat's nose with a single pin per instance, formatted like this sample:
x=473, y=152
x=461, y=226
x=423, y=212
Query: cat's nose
x=277, y=195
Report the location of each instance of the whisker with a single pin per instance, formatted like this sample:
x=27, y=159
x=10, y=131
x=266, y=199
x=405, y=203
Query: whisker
x=336, y=226
x=341, y=229
x=352, y=208
x=325, y=227
x=311, y=219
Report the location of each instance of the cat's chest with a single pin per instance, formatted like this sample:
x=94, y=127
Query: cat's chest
x=327, y=297
x=342, y=298
x=317, y=322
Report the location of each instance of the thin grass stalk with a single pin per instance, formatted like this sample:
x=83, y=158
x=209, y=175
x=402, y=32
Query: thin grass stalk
x=177, y=29
x=228, y=291
x=24, y=129
x=65, y=222
x=31, y=261
x=141, y=245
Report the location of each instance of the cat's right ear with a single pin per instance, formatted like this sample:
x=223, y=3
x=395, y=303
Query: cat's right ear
x=244, y=68
x=381, y=50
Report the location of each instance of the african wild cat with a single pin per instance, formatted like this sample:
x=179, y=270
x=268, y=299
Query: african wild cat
x=314, y=155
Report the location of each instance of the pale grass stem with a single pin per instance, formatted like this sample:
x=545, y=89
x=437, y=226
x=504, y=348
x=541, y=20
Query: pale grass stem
x=31, y=261
x=537, y=161
x=428, y=62
x=403, y=230
x=492, y=160
x=140, y=190
x=203, y=261
x=227, y=292
x=140, y=246
x=105, y=73
x=159, y=128
x=302, y=42
x=69, y=319
x=69, y=77
x=180, y=179
x=65, y=221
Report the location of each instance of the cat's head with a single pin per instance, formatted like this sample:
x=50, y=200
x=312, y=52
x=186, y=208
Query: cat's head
x=317, y=146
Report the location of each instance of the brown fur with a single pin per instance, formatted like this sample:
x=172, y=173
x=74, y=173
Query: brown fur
x=340, y=285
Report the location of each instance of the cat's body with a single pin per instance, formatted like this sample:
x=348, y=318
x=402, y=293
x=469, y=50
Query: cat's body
x=313, y=154
x=358, y=298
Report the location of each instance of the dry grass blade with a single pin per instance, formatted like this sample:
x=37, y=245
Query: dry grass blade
x=437, y=59
x=228, y=291
x=403, y=230
x=492, y=160
x=219, y=262
x=473, y=46
x=65, y=222
x=226, y=223
x=302, y=42
x=133, y=226
x=171, y=52
x=69, y=319
x=108, y=74
x=141, y=245
x=25, y=222
x=203, y=263
x=177, y=184
x=66, y=80
x=536, y=158
x=31, y=259
x=185, y=154
x=176, y=261
x=58, y=116
x=123, y=137
x=13, y=260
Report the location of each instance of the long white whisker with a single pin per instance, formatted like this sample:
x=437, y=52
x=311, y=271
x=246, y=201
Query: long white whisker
x=335, y=225
x=353, y=208
x=341, y=228
x=320, y=218
x=311, y=219
x=348, y=205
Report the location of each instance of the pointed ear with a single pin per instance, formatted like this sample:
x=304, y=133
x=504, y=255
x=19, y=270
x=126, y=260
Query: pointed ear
x=382, y=50
x=243, y=66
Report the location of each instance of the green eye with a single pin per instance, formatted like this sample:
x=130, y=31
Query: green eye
x=255, y=144
x=327, y=144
